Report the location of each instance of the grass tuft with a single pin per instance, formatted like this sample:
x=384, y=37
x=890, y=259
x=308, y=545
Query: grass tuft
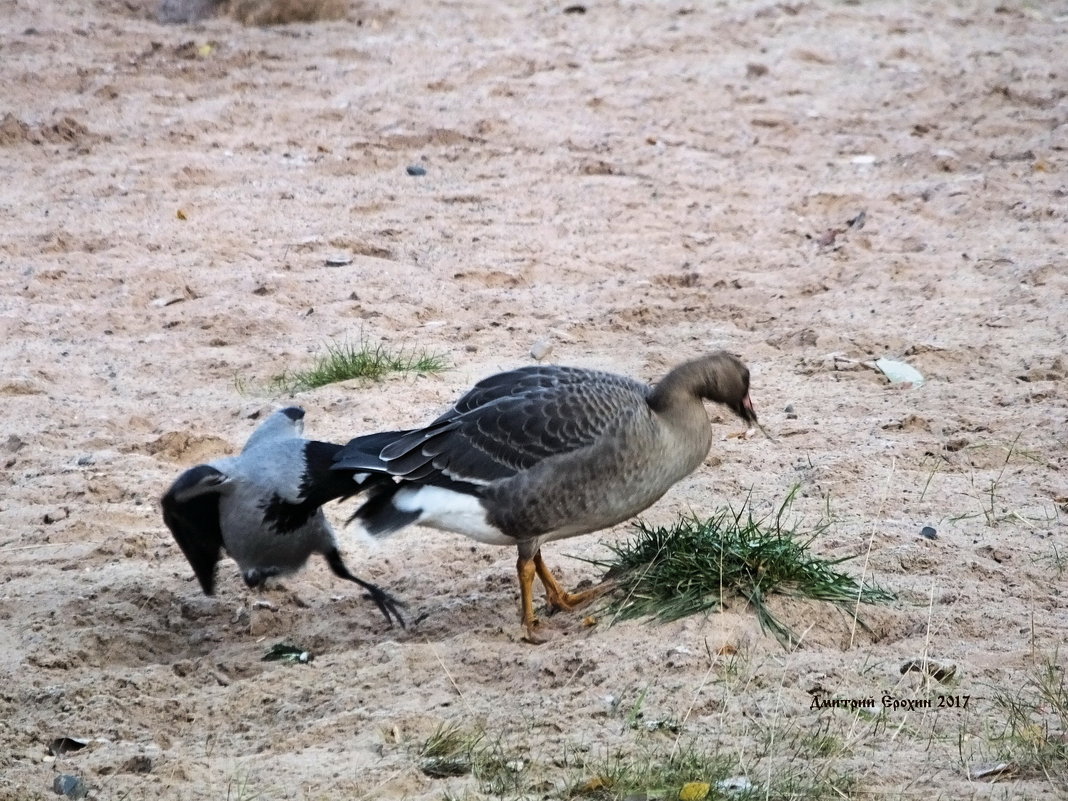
x=449, y=751
x=346, y=361
x=1057, y=561
x=1035, y=734
x=691, y=567
x=616, y=776
x=455, y=751
x=645, y=766
x=690, y=771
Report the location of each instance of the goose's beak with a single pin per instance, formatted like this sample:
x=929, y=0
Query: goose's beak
x=746, y=411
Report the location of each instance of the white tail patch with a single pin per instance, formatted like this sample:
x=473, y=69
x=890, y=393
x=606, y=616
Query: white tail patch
x=450, y=511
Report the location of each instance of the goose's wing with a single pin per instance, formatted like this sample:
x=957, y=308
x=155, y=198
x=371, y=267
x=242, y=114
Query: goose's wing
x=503, y=427
x=362, y=455
x=191, y=512
x=523, y=379
x=365, y=453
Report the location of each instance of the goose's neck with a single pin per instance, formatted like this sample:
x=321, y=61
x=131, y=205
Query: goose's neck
x=683, y=387
x=677, y=402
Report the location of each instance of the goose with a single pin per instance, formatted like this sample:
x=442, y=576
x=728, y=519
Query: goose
x=545, y=452
x=264, y=507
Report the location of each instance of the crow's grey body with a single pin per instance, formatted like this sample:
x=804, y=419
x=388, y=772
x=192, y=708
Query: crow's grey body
x=264, y=507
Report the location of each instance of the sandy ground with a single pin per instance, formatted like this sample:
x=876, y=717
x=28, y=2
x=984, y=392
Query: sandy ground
x=634, y=185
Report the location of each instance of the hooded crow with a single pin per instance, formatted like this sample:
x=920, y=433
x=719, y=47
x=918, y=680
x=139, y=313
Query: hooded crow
x=264, y=507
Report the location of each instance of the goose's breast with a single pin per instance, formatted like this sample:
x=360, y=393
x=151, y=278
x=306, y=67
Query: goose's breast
x=589, y=490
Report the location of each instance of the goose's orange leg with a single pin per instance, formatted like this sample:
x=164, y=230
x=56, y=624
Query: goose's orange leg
x=526, y=569
x=557, y=596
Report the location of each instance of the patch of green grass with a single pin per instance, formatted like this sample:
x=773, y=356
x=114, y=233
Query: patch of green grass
x=988, y=493
x=615, y=775
x=636, y=718
x=448, y=751
x=821, y=744
x=455, y=751
x=344, y=361
x=240, y=788
x=691, y=772
x=791, y=766
x=694, y=565
x=800, y=786
x=1057, y=561
x=1035, y=733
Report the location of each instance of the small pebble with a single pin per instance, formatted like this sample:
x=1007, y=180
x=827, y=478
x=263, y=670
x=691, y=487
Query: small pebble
x=54, y=517
x=735, y=784
x=929, y=533
x=85, y=461
x=541, y=349
x=790, y=413
x=826, y=239
x=415, y=169
x=70, y=786
x=993, y=771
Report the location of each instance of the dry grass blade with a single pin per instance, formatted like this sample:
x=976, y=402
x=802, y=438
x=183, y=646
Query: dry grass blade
x=691, y=567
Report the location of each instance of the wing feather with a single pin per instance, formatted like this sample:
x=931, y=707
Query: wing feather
x=509, y=423
x=364, y=453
